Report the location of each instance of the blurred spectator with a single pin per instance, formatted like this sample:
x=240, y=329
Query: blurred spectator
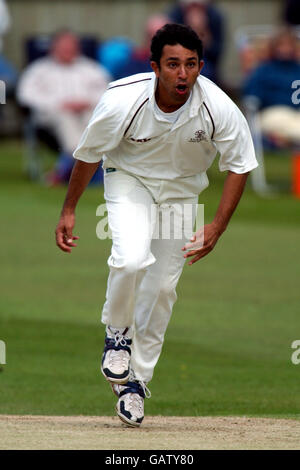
x=139, y=59
x=61, y=90
x=253, y=53
x=208, y=22
x=8, y=75
x=270, y=86
x=4, y=20
x=291, y=12
x=7, y=71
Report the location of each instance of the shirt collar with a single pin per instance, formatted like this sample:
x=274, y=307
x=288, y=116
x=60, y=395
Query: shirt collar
x=152, y=87
x=197, y=97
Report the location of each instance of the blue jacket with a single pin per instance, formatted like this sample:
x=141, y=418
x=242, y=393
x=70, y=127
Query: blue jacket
x=272, y=82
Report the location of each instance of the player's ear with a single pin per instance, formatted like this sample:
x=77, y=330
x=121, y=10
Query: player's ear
x=155, y=67
x=201, y=65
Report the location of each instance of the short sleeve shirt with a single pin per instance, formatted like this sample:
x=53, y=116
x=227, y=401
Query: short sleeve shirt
x=127, y=133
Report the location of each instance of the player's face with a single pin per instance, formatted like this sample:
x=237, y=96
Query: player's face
x=178, y=70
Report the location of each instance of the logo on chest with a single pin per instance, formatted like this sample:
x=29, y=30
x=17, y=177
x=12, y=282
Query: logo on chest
x=139, y=140
x=199, y=137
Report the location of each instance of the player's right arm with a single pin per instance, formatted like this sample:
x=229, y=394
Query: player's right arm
x=80, y=178
x=104, y=132
x=100, y=135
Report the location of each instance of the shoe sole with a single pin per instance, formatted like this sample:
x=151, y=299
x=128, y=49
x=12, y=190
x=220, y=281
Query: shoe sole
x=132, y=424
x=116, y=381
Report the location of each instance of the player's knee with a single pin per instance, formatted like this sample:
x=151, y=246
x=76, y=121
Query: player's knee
x=168, y=290
x=133, y=264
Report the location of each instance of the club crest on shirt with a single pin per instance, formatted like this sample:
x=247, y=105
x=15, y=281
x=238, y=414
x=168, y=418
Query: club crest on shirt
x=199, y=136
x=139, y=140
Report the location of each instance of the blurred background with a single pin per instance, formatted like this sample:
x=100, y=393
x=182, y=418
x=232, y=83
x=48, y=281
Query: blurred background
x=228, y=346
x=111, y=39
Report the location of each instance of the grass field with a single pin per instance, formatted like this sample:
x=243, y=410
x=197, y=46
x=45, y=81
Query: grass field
x=228, y=345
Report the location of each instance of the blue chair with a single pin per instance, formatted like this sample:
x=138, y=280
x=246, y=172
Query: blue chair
x=114, y=54
x=37, y=47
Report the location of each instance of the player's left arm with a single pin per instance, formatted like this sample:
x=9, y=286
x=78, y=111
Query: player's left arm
x=201, y=245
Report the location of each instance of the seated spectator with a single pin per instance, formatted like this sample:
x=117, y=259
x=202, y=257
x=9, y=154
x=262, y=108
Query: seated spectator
x=208, y=23
x=4, y=20
x=62, y=89
x=139, y=59
x=270, y=85
x=8, y=73
x=253, y=53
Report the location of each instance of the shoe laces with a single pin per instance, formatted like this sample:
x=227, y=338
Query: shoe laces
x=146, y=390
x=120, y=338
x=132, y=378
x=115, y=357
x=136, y=404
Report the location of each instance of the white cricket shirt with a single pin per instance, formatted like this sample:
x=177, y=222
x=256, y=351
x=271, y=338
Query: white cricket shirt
x=171, y=117
x=127, y=133
x=47, y=84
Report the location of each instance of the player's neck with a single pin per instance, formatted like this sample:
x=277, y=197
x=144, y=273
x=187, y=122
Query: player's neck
x=166, y=104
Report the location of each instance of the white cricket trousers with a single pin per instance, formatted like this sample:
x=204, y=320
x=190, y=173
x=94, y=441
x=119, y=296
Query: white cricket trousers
x=150, y=221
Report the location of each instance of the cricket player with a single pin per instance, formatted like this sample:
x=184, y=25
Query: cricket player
x=157, y=134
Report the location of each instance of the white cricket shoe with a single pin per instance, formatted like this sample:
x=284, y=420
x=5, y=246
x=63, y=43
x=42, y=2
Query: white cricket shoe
x=130, y=406
x=115, y=365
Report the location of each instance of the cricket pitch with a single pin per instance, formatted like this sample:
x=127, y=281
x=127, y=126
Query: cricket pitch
x=156, y=432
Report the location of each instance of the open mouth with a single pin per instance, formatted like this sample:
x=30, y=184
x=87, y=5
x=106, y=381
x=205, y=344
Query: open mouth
x=181, y=89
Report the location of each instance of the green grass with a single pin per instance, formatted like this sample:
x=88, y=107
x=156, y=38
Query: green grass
x=228, y=345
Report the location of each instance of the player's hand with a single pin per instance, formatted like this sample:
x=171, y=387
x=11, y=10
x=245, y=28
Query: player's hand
x=76, y=106
x=202, y=243
x=64, y=232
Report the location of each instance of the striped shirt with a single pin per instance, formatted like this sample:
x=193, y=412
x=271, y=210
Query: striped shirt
x=47, y=84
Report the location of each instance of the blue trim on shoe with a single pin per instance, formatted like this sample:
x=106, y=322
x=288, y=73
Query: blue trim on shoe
x=128, y=415
x=110, y=343
x=111, y=375
x=133, y=387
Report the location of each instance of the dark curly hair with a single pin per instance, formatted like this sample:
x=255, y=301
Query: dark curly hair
x=173, y=34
